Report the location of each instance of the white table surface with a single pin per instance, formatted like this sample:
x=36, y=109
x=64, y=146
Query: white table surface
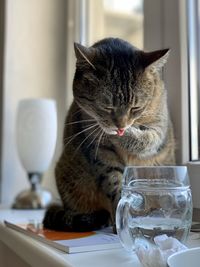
x=36, y=254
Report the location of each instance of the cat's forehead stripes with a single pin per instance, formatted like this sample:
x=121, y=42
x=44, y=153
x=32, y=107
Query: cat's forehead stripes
x=122, y=86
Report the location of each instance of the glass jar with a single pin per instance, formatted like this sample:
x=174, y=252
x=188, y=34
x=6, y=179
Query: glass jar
x=154, y=201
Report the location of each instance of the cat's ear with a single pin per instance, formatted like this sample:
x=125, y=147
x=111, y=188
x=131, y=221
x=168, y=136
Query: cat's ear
x=156, y=59
x=84, y=54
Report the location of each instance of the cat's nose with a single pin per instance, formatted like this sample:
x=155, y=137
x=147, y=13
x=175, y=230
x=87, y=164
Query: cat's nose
x=120, y=131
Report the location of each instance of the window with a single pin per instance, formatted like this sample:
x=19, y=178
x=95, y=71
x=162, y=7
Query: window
x=115, y=18
x=124, y=19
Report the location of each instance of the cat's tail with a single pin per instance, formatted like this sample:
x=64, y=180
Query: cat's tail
x=58, y=218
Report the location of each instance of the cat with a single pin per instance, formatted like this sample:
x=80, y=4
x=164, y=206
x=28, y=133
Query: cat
x=119, y=117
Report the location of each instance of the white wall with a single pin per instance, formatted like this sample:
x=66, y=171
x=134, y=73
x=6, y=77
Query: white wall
x=35, y=60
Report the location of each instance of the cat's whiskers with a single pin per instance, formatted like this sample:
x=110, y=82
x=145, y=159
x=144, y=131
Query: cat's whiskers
x=85, y=140
x=81, y=121
x=72, y=137
x=99, y=128
x=76, y=112
x=98, y=143
x=85, y=126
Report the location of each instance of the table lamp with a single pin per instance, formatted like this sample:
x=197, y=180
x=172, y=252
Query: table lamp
x=36, y=133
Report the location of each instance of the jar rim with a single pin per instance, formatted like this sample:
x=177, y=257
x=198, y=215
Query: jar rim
x=152, y=188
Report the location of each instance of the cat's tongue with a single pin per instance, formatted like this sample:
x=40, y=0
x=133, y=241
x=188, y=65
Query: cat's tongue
x=120, y=132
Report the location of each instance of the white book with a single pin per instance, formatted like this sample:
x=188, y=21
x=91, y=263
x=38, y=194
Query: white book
x=69, y=242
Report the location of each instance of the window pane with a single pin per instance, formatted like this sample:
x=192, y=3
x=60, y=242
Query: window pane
x=124, y=19
x=114, y=18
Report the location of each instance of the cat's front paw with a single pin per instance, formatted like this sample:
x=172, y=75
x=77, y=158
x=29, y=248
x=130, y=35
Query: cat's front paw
x=135, y=131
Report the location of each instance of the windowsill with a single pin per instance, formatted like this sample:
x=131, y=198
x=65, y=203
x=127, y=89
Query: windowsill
x=16, y=247
x=34, y=253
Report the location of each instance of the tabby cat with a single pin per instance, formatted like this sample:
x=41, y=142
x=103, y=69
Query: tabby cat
x=119, y=117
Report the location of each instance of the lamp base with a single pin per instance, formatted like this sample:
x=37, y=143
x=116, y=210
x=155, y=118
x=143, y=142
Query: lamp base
x=29, y=199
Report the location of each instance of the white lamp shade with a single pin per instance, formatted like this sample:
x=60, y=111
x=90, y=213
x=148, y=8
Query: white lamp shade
x=36, y=133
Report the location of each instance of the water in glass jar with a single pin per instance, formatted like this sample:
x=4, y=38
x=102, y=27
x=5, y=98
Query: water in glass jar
x=148, y=228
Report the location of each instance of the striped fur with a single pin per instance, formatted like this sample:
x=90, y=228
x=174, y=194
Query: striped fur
x=120, y=88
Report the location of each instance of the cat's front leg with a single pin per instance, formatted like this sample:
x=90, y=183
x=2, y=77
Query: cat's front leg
x=110, y=183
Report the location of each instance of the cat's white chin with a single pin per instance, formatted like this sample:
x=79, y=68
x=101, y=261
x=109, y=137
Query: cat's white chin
x=110, y=132
x=113, y=132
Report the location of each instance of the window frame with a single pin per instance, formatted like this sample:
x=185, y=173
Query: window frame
x=193, y=64
x=2, y=32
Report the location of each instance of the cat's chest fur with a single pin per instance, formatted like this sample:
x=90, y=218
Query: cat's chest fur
x=129, y=159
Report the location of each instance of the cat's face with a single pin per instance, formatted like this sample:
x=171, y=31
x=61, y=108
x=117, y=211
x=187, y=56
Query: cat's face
x=114, y=87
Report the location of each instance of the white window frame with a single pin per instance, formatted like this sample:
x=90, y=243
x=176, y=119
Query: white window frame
x=193, y=62
x=76, y=31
